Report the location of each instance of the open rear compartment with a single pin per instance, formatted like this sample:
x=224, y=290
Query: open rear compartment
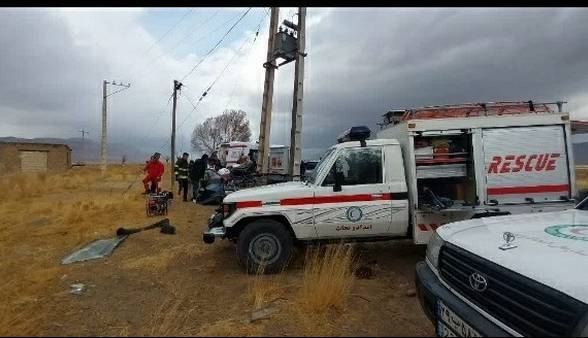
x=445, y=171
x=446, y=180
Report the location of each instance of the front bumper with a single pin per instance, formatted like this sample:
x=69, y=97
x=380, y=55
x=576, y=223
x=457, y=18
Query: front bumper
x=209, y=236
x=215, y=228
x=430, y=290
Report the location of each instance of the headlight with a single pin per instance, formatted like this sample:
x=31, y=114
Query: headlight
x=229, y=209
x=433, y=248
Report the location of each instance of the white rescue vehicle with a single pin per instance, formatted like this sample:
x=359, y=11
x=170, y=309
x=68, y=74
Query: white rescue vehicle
x=230, y=152
x=427, y=167
x=518, y=275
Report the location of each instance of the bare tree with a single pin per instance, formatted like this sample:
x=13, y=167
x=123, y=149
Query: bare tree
x=231, y=125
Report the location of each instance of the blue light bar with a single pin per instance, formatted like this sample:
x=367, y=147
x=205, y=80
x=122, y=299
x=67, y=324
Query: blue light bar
x=360, y=133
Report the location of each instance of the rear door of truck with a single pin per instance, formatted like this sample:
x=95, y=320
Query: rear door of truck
x=526, y=164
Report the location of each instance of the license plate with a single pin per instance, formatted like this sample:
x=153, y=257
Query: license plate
x=450, y=324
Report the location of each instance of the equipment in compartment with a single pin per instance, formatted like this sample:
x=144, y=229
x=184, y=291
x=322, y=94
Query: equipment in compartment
x=444, y=172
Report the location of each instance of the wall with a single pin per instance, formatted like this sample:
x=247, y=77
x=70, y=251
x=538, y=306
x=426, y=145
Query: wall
x=58, y=156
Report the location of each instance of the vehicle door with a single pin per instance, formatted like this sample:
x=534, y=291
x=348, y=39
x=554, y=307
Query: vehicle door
x=362, y=206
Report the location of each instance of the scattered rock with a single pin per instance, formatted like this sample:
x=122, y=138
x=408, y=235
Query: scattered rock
x=410, y=292
x=364, y=272
x=263, y=313
x=77, y=289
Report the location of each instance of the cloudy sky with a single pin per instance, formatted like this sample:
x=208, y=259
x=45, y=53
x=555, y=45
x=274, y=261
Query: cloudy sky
x=360, y=63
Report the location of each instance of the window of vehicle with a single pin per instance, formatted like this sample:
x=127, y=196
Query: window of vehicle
x=358, y=166
x=321, y=165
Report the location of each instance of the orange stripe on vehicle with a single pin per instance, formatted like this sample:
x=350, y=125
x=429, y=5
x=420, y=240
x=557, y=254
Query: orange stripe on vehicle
x=248, y=204
x=528, y=190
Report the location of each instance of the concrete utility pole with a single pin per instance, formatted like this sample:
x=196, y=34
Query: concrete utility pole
x=83, y=134
x=295, y=133
x=103, y=145
x=177, y=86
x=83, y=140
x=103, y=140
x=268, y=93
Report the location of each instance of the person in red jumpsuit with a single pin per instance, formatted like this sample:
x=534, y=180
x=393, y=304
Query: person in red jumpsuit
x=153, y=172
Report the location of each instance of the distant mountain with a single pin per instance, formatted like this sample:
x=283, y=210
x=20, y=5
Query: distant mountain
x=581, y=153
x=89, y=150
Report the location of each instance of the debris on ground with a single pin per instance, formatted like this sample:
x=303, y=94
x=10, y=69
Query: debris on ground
x=77, y=289
x=96, y=249
x=263, y=313
x=166, y=228
x=364, y=272
x=410, y=292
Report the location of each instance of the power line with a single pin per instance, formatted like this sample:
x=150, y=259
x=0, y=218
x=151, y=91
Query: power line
x=195, y=106
x=237, y=82
x=195, y=29
x=217, y=44
x=159, y=116
x=159, y=40
x=165, y=52
x=171, y=29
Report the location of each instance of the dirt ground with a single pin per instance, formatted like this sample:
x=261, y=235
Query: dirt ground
x=157, y=284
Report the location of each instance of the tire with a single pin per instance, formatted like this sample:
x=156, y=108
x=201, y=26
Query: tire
x=265, y=241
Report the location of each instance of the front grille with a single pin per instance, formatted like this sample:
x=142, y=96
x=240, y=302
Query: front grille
x=526, y=306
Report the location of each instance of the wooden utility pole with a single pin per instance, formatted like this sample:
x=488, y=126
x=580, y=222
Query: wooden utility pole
x=268, y=93
x=177, y=86
x=295, y=133
x=103, y=145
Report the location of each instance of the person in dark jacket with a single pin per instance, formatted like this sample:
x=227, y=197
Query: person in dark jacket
x=196, y=175
x=214, y=161
x=181, y=172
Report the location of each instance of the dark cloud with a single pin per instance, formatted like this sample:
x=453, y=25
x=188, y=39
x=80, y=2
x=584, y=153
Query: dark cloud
x=368, y=61
x=44, y=71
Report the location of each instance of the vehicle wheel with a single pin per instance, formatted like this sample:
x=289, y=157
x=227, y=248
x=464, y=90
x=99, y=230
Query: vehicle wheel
x=266, y=242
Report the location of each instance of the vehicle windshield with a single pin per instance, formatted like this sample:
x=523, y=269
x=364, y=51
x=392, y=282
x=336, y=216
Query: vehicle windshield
x=321, y=165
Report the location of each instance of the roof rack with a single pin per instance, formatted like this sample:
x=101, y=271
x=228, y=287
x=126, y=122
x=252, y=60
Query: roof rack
x=470, y=110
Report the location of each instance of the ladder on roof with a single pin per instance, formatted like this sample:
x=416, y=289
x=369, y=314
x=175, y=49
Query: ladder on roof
x=470, y=110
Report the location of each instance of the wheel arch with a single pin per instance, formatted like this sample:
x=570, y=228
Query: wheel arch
x=234, y=231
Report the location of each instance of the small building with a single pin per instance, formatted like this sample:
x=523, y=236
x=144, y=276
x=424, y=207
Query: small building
x=34, y=157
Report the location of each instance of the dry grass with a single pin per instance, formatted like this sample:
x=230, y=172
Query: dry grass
x=25, y=186
x=230, y=328
x=264, y=289
x=171, y=319
x=327, y=278
x=45, y=216
x=18, y=321
x=164, y=258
